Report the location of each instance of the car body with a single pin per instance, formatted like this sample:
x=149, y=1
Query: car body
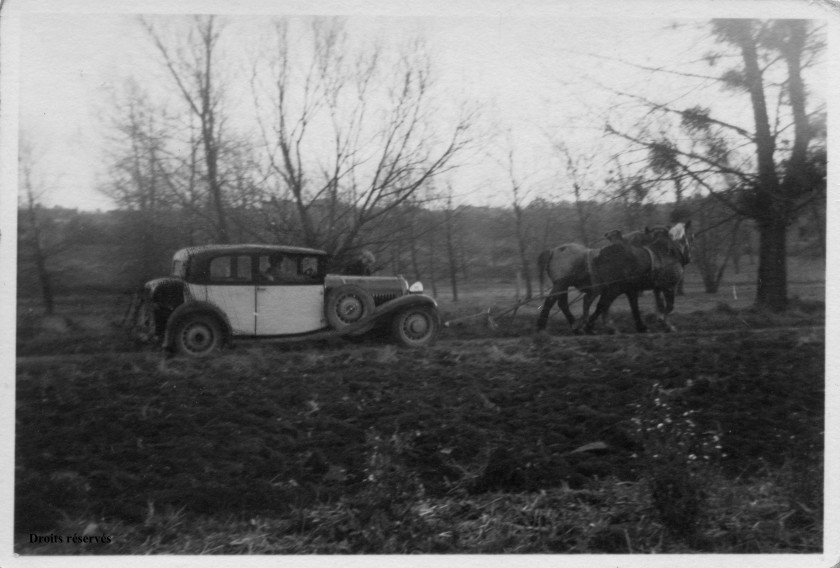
x=218, y=293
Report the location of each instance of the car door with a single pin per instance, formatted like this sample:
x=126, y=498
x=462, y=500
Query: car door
x=230, y=286
x=290, y=294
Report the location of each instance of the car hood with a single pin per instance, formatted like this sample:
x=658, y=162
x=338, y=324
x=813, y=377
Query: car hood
x=373, y=284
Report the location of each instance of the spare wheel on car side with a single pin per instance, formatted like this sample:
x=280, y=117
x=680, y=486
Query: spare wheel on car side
x=347, y=305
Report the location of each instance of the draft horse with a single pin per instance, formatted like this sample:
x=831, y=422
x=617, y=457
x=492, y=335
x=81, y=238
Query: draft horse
x=573, y=265
x=567, y=266
x=656, y=262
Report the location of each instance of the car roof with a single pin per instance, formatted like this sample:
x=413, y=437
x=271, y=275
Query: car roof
x=209, y=250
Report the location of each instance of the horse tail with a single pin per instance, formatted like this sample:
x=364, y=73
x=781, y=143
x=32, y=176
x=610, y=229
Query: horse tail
x=543, y=260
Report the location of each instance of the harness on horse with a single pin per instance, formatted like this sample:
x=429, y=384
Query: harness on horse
x=653, y=267
x=665, y=274
x=594, y=276
x=589, y=268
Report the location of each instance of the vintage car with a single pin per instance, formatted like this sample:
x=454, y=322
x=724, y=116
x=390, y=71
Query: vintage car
x=217, y=293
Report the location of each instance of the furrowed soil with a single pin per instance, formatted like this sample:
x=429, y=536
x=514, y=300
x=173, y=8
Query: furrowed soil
x=529, y=443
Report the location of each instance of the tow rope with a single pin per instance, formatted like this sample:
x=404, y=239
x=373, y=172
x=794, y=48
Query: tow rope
x=491, y=317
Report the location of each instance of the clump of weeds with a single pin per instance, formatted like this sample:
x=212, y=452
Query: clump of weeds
x=383, y=516
x=677, y=462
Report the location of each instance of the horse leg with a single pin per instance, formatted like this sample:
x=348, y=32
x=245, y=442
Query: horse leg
x=633, y=299
x=563, y=302
x=606, y=319
x=660, y=305
x=602, y=309
x=588, y=297
x=542, y=320
x=668, y=307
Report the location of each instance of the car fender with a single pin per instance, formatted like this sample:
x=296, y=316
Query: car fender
x=403, y=302
x=190, y=308
x=166, y=293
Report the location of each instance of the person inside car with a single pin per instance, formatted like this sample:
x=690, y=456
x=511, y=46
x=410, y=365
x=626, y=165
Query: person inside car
x=275, y=272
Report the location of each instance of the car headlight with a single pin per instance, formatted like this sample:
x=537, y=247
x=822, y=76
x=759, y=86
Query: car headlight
x=416, y=288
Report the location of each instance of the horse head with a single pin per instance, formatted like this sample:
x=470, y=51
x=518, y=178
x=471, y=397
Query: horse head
x=676, y=238
x=662, y=239
x=680, y=233
x=614, y=236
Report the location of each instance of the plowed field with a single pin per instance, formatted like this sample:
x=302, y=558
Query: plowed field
x=264, y=432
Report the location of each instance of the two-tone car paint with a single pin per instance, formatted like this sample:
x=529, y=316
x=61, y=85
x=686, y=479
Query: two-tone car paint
x=228, y=283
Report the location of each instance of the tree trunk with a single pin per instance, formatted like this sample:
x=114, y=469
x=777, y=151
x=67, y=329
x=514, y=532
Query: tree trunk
x=412, y=246
x=678, y=191
x=396, y=259
x=450, y=251
x=46, y=284
x=581, y=215
x=770, y=203
x=523, y=252
x=209, y=131
x=461, y=254
x=432, y=259
x=195, y=82
x=216, y=194
x=44, y=278
x=710, y=284
x=819, y=223
x=772, y=265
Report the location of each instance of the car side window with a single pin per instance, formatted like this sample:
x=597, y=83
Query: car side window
x=310, y=266
x=231, y=269
x=289, y=269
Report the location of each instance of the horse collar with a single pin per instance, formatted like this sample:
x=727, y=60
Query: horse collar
x=652, y=261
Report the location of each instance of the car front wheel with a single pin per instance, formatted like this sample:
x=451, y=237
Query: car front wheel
x=198, y=335
x=416, y=327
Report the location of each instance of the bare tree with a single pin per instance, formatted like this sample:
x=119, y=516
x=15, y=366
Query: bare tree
x=775, y=197
x=520, y=229
x=450, y=230
x=663, y=160
x=432, y=252
x=633, y=191
x=139, y=180
x=194, y=72
x=351, y=135
x=37, y=240
x=718, y=243
x=414, y=235
x=577, y=170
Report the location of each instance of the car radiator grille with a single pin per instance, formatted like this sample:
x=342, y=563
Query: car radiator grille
x=379, y=299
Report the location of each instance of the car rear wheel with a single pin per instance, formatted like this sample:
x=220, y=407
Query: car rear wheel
x=416, y=327
x=347, y=305
x=198, y=335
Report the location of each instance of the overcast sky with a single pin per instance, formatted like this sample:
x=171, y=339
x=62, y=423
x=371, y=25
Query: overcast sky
x=533, y=67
